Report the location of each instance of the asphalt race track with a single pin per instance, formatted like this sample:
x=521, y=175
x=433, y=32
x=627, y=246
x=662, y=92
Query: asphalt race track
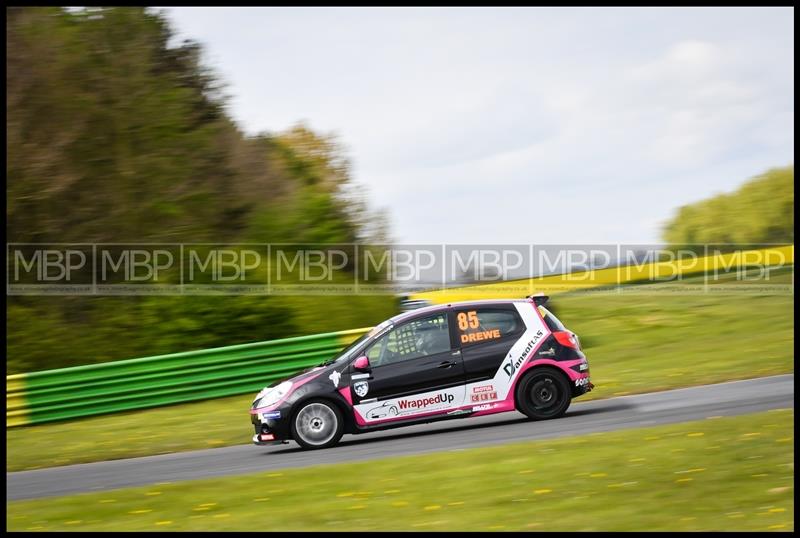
x=725, y=399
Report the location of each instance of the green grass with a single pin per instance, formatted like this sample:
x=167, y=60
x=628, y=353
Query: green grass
x=636, y=342
x=732, y=473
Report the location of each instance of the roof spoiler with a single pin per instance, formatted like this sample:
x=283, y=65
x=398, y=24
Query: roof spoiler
x=539, y=299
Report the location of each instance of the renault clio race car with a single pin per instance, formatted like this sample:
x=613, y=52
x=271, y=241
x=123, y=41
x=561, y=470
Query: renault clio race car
x=435, y=363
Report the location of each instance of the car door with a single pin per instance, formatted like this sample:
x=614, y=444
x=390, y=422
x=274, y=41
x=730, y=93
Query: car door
x=486, y=335
x=415, y=368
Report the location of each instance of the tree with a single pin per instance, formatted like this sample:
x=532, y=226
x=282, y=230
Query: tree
x=760, y=211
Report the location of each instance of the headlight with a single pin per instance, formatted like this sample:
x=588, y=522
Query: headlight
x=268, y=397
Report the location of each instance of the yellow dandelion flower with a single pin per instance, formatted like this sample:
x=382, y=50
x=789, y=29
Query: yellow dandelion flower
x=542, y=491
x=163, y=522
x=695, y=434
x=432, y=507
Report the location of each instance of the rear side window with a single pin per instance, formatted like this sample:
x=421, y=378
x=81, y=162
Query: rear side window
x=553, y=323
x=479, y=325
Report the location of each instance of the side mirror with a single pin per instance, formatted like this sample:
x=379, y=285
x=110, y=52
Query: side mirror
x=362, y=364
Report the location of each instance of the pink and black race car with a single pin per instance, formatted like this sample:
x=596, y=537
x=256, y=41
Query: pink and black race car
x=435, y=363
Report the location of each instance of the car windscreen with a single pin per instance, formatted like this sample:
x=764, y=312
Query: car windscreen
x=349, y=350
x=347, y=353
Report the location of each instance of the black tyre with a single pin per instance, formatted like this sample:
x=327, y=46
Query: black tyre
x=543, y=393
x=317, y=424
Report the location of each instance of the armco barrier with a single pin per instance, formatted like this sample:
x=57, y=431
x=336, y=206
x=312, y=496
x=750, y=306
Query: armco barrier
x=167, y=379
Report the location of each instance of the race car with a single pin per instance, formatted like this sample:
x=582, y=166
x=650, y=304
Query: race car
x=433, y=363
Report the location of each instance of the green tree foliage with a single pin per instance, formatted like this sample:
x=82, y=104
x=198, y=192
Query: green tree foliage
x=114, y=135
x=760, y=211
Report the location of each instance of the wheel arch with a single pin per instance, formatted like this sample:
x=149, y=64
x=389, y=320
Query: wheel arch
x=536, y=369
x=339, y=402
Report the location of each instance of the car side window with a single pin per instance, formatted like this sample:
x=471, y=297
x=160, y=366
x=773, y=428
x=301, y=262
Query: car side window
x=412, y=340
x=476, y=326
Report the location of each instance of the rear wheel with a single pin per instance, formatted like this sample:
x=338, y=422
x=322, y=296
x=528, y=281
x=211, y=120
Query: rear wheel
x=543, y=394
x=317, y=424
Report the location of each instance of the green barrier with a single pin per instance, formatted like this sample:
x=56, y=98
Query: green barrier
x=110, y=387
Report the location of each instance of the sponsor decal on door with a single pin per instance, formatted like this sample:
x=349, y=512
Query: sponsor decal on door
x=409, y=406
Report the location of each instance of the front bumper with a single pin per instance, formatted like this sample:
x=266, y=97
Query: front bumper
x=260, y=440
x=271, y=431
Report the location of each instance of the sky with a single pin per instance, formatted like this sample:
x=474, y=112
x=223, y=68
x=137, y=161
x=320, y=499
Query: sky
x=518, y=125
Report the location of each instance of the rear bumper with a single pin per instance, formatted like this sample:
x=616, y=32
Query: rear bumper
x=582, y=389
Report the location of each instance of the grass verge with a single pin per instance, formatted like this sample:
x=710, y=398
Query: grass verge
x=636, y=342
x=733, y=473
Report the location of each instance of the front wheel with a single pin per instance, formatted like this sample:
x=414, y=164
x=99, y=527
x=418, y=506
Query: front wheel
x=317, y=424
x=543, y=394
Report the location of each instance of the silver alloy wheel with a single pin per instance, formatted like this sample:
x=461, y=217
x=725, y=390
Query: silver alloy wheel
x=316, y=423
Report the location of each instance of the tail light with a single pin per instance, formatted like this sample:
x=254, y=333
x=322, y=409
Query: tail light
x=566, y=338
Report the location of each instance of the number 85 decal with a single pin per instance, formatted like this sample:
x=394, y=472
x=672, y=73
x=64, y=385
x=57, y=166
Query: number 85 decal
x=468, y=320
